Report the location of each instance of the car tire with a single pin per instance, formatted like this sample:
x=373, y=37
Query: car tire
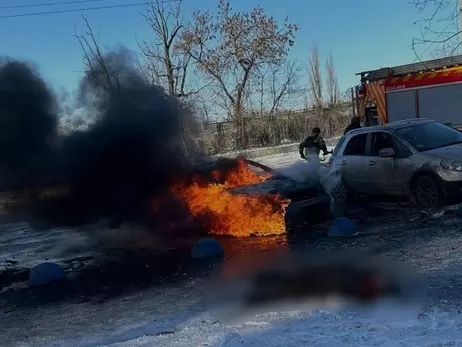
x=341, y=193
x=426, y=192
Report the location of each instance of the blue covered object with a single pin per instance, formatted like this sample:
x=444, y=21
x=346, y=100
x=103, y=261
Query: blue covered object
x=341, y=227
x=45, y=273
x=207, y=248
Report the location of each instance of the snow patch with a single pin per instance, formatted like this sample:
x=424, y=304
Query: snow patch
x=301, y=329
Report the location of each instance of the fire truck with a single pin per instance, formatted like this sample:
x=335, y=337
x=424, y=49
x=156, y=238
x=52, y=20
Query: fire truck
x=430, y=89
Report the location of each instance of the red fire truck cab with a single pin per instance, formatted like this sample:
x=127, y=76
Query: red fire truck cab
x=431, y=89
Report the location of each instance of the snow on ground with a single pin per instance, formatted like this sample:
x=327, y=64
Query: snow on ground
x=296, y=329
x=317, y=329
x=176, y=318
x=330, y=141
x=284, y=160
x=21, y=245
x=173, y=315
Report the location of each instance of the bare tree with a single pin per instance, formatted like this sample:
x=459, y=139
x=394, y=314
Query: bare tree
x=165, y=65
x=283, y=83
x=162, y=64
x=440, y=28
x=94, y=60
x=315, y=87
x=333, y=91
x=229, y=47
x=102, y=78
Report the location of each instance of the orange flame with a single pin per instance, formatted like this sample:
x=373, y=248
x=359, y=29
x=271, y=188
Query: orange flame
x=224, y=213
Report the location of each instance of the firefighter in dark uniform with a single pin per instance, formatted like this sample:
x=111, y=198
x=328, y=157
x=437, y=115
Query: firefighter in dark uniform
x=355, y=124
x=313, y=144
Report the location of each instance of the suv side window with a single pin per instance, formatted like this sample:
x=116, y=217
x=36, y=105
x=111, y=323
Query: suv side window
x=356, y=145
x=380, y=140
x=401, y=149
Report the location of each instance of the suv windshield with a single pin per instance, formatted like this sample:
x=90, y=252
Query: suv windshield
x=426, y=136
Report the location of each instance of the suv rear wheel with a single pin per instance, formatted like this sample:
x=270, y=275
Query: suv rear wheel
x=426, y=192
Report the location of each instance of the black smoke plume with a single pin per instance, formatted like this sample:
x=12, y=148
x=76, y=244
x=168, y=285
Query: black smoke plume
x=130, y=152
x=28, y=125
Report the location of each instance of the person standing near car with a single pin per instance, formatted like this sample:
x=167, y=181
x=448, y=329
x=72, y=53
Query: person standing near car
x=355, y=124
x=313, y=144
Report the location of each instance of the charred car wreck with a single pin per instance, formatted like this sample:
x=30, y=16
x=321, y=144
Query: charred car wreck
x=308, y=201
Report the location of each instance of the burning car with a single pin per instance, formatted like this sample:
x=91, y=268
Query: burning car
x=233, y=197
x=127, y=164
x=246, y=198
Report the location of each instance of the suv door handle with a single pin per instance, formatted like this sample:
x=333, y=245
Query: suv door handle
x=343, y=162
x=371, y=162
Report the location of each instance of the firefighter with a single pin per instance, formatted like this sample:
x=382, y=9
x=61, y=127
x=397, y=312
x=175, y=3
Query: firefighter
x=313, y=144
x=355, y=124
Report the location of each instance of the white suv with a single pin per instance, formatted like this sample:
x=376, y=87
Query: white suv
x=419, y=158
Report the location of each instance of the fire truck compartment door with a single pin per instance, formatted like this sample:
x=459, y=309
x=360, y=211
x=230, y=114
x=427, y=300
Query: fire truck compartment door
x=401, y=105
x=441, y=103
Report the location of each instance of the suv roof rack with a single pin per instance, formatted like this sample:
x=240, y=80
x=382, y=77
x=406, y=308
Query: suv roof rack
x=408, y=121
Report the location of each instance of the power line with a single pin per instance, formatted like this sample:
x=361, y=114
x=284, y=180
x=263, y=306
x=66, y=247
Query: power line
x=84, y=9
x=50, y=4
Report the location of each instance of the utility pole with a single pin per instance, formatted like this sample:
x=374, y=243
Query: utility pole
x=353, y=99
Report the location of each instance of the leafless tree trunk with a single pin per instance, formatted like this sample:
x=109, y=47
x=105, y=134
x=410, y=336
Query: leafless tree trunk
x=167, y=66
x=164, y=64
x=314, y=78
x=276, y=88
x=261, y=87
x=333, y=91
x=284, y=83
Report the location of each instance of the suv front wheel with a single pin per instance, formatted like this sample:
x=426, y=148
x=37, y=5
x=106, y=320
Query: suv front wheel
x=340, y=193
x=426, y=192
